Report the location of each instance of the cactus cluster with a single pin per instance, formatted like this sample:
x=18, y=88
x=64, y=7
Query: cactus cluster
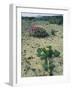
x=37, y=31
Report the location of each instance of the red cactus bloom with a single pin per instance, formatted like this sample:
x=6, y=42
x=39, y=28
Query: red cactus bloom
x=33, y=27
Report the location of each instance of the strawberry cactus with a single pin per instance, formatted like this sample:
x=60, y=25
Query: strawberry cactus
x=38, y=31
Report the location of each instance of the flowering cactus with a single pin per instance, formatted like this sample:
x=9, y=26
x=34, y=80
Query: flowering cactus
x=37, y=31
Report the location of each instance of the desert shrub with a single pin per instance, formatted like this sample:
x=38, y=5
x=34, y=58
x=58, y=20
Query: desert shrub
x=39, y=32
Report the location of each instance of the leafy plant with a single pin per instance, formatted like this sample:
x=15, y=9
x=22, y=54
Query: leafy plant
x=47, y=56
x=43, y=54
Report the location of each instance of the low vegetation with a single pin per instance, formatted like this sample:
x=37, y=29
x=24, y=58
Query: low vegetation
x=48, y=56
